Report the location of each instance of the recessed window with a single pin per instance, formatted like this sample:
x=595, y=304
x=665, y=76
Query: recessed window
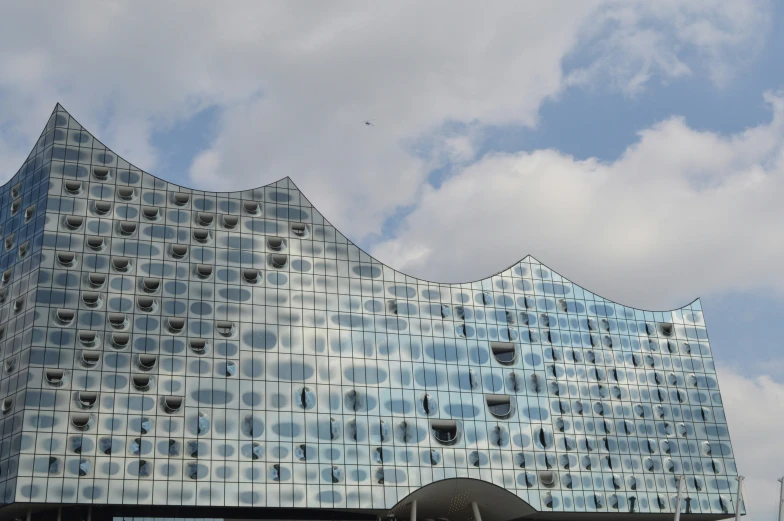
x=91, y=299
x=7, y=276
x=18, y=306
x=198, y=345
x=252, y=207
x=604, y=324
x=337, y=474
x=120, y=340
x=434, y=456
x=101, y=173
x=74, y=222
x=151, y=213
x=141, y=382
x=90, y=358
x=334, y=429
x=73, y=187
x=54, y=465
x=10, y=364
x=176, y=324
x=305, y=398
x=202, y=424
x=535, y=383
x=146, y=304
x=231, y=369
x=88, y=338
x=81, y=422
x=55, y=377
x=251, y=276
x=499, y=405
x=150, y=285
x=300, y=452
x=127, y=228
x=504, y=352
x=64, y=316
x=147, y=362
x=224, y=328
x=16, y=189
x=86, y=399
x=666, y=329
x=251, y=426
x=179, y=251
x=203, y=271
x=9, y=242
x=126, y=193
x=118, y=320
x=145, y=469
x=102, y=207
x=7, y=405
x=121, y=264
x=547, y=478
x=473, y=380
x=146, y=426
x=278, y=260
x=477, y=459
x=29, y=212
x=76, y=444
x=205, y=219
x=444, y=431
x=276, y=244
x=354, y=400
x=172, y=404
x=95, y=243
x=514, y=382
x=175, y=448
x=299, y=229
x=181, y=199
x=230, y=221
x=192, y=449
x=15, y=205
x=429, y=404
x=202, y=236
x=84, y=467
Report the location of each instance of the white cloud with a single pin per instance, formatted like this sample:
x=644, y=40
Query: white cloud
x=294, y=82
x=679, y=214
x=755, y=415
x=633, y=41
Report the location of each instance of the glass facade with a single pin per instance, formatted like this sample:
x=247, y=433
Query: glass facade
x=168, y=346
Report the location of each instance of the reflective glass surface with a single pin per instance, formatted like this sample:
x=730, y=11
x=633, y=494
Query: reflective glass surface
x=163, y=345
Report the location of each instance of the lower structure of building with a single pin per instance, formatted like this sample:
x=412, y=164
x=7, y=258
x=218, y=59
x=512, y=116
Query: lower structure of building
x=169, y=352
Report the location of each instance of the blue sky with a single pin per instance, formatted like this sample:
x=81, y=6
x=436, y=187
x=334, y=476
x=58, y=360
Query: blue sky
x=635, y=147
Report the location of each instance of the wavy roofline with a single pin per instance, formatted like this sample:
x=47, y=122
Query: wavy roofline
x=60, y=108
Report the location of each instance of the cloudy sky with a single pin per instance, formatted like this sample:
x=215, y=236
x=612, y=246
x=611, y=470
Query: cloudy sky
x=636, y=147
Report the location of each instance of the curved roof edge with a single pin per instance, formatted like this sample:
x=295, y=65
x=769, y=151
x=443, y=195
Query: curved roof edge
x=59, y=109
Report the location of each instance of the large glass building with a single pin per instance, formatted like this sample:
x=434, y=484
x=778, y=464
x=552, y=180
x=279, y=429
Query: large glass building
x=170, y=352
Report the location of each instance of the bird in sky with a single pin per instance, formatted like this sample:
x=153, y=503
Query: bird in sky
x=369, y=124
